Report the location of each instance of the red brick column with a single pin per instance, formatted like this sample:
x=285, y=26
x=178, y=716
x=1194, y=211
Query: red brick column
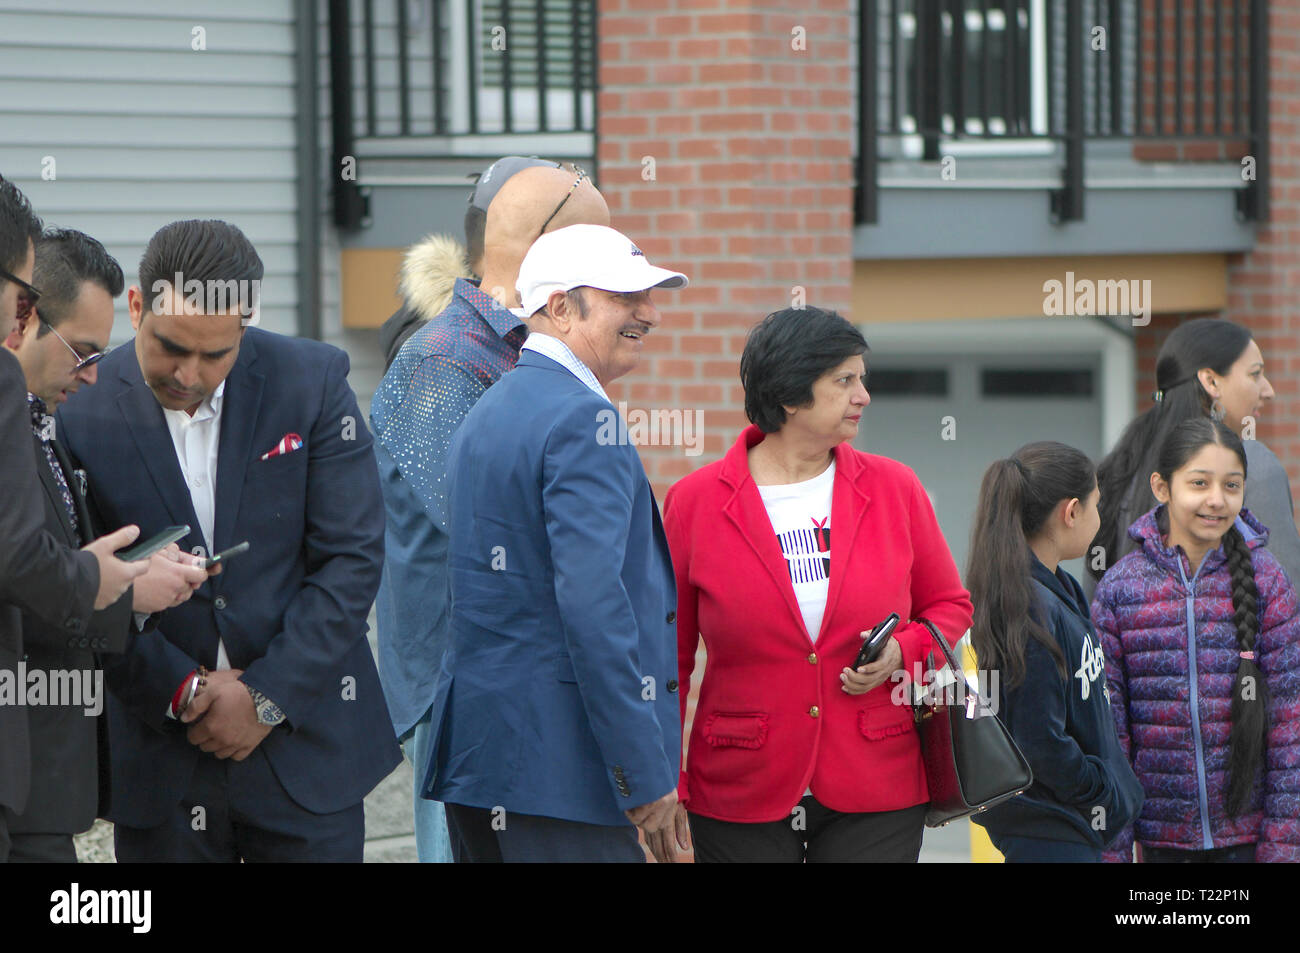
x=1263, y=286
x=725, y=151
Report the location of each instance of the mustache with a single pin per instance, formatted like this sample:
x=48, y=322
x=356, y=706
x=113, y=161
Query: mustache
x=165, y=383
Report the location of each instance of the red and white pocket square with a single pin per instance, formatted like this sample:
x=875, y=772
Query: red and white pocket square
x=288, y=444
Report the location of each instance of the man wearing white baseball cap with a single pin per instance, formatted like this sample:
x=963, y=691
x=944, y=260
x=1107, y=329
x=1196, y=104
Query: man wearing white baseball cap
x=556, y=719
x=600, y=277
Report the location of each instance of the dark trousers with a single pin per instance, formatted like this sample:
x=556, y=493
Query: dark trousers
x=1239, y=854
x=1040, y=850
x=481, y=836
x=17, y=847
x=815, y=834
x=42, y=849
x=245, y=815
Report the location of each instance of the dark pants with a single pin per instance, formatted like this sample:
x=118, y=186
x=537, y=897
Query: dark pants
x=21, y=848
x=481, y=836
x=246, y=815
x=1040, y=850
x=1240, y=854
x=42, y=849
x=814, y=835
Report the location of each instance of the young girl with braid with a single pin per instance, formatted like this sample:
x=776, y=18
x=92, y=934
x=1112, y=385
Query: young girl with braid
x=1201, y=635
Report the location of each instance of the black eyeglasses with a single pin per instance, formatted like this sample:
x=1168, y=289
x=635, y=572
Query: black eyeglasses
x=30, y=292
x=82, y=362
x=573, y=188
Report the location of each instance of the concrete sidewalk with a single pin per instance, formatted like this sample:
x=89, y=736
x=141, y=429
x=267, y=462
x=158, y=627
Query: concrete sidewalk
x=390, y=823
x=389, y=826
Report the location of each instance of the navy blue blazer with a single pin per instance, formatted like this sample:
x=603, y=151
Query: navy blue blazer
x=558, y=692
x=291, y=611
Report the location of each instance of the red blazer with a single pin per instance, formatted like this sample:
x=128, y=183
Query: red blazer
x=772, y=718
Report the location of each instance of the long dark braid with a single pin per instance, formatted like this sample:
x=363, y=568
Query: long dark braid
x=1249, y=690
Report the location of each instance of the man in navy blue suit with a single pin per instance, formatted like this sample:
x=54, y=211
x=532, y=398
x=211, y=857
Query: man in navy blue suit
x=556, y=726
x=250, y=724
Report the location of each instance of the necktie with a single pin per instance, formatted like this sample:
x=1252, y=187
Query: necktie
x=43, y=428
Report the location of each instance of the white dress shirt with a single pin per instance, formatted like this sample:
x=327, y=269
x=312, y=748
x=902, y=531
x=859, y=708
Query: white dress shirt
x=559, y=352
x=196, y=440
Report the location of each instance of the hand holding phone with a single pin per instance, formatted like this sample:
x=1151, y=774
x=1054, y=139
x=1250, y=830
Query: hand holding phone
x=150, y=546
x=226, y=555
x=875, y=643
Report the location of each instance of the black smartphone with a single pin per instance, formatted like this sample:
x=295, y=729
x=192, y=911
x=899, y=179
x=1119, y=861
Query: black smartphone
x=226, y=555
x=873, y=644
x=150, y=546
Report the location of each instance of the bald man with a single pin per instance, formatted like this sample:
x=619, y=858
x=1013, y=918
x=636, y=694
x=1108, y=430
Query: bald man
x=436, y=378
x=431, y=266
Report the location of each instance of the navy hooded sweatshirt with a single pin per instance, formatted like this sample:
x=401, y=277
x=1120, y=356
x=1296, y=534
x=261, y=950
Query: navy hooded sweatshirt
x=1084, y=789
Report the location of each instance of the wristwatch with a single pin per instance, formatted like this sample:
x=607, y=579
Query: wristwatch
x=268, y=712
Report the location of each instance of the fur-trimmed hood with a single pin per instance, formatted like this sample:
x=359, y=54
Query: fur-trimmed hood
x=429, y=272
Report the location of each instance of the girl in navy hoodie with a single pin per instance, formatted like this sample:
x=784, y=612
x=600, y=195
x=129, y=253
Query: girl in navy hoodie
x=1032, y=627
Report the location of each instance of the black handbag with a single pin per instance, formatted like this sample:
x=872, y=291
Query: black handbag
x=971, y=761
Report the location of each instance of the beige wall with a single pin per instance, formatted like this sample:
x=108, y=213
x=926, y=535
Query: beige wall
x=976, y=288
x=369, y=277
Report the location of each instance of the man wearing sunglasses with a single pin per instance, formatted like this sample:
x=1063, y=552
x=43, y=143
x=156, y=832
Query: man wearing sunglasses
x=58, y=343
x=38, y=573
x=61, y=337
x=434, y=381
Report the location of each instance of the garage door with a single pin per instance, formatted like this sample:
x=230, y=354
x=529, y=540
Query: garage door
x=949, y=416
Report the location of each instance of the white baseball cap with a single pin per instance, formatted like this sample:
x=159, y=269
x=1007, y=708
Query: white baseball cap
x=590, y=256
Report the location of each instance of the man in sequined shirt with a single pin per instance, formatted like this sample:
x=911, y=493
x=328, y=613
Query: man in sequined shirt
x=436, y=378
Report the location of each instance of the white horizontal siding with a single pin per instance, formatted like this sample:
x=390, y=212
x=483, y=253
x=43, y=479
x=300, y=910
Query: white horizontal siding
x=145, y=130
x=267, y=30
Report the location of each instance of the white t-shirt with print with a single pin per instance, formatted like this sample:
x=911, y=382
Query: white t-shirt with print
x=801, y=517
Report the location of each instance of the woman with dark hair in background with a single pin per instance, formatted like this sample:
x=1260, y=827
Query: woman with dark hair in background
x=1201, y=632
x=795, y=754
x=1036, y=509
x=1206, y=368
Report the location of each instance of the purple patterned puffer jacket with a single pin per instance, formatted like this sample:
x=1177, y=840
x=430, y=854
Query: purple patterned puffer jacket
x=1171, y=654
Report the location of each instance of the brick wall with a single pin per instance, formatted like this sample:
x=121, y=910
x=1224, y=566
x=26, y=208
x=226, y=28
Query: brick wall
x=750, y=192
x=1263, y=285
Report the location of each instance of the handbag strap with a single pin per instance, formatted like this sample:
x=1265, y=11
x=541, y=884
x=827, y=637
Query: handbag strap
x=940, y=641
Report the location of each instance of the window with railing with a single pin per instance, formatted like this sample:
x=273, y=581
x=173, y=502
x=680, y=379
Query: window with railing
x=472, y=67
x=1000, y=87
x=1170, y=77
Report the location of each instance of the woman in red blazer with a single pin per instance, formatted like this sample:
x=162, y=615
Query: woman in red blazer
x=794, y=756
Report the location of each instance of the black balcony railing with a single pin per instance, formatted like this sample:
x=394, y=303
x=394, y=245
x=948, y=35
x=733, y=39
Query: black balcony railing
x=1188, y=73
x=412, y=69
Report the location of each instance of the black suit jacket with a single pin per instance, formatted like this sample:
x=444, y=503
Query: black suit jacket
x=69, y=747
x=38, y=573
